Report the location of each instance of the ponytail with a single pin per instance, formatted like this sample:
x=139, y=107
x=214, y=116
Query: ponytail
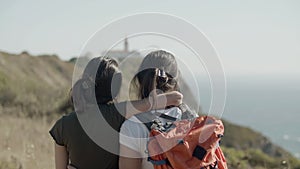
x=165, y=81
x=153, y=78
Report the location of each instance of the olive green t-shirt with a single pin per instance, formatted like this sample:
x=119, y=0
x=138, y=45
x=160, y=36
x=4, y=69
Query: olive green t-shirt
x=83, y=152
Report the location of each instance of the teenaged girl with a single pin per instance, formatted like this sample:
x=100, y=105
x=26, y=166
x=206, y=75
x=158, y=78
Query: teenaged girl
x=73, y=146
x=158, y=73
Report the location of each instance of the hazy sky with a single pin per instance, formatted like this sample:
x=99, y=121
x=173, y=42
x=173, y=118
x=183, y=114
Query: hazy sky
x=251, y=37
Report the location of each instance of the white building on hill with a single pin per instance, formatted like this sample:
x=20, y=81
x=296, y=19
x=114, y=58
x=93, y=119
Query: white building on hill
x=121, y=54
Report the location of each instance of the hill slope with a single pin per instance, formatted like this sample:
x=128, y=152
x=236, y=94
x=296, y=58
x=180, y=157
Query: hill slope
x=32, y=86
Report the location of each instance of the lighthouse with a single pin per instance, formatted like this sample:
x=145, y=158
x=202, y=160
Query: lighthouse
x=126, y=49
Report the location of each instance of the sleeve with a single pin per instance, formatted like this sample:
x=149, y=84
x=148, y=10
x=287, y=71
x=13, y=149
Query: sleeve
x=129, y=136
x=57, y=132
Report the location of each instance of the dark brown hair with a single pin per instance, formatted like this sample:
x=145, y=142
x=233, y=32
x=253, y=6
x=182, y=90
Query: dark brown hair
x=158, y=70
x=101, y=81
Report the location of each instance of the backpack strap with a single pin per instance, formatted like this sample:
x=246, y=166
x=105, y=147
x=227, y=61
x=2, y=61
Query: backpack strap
x=146, y=118
x=159, y=162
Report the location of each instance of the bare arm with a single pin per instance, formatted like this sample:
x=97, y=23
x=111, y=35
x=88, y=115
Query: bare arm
x=125, y=160
x=61, y=157
x=153, y=102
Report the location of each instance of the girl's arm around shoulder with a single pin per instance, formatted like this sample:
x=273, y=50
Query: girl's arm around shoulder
x=160, y=101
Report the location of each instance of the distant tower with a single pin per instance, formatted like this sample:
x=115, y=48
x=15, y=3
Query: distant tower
x=126, y=45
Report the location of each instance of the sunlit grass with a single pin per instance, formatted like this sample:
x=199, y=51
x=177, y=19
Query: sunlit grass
x=25, y=143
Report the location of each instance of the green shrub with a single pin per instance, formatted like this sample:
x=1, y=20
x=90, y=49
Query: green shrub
x=257, y=159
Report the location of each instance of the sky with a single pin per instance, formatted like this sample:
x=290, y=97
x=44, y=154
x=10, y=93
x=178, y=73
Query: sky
x=251, y=37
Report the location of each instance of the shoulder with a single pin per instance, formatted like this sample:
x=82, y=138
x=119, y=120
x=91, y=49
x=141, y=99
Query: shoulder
x=69, y=119
x=132, y=122
x=65, y=121
x=113, y=114
x=57, y=131
x=113, y=111
x=113, y=107
x=66, y=118
x=133, y=127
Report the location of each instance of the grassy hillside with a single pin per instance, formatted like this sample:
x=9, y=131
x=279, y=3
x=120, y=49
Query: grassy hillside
x=33, y=88
x=245, y=148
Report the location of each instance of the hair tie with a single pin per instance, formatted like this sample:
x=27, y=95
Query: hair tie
x=161, y=73
x=87, y=83
x=162, y=76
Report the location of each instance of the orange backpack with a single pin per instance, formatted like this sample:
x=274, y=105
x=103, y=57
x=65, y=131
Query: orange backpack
x=186, y=144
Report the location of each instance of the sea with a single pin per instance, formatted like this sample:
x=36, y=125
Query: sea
x=267, y=104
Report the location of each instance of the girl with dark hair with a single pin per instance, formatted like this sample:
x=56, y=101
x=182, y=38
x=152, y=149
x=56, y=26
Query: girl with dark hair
x=73, y=147
x=158, y=73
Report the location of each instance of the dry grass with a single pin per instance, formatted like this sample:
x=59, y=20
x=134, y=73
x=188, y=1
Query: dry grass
x=25, y=143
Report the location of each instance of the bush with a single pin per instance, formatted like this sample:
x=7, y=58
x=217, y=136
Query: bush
x=257, y=159
x=7, y=96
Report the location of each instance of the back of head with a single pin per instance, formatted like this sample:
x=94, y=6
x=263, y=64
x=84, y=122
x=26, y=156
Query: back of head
x=158, y=70
x=100, y=83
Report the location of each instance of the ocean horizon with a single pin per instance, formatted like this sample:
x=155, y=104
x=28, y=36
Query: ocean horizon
x=268, y=105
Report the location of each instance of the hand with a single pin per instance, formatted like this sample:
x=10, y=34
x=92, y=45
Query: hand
x=174, y=98
x=70, y=167
x=161, y=101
